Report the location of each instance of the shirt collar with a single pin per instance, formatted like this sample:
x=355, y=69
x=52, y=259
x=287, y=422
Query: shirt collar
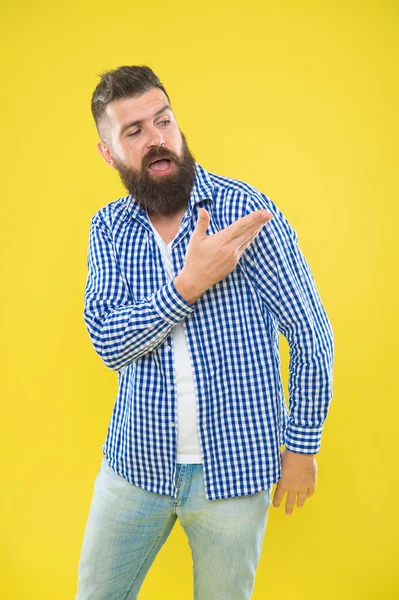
x=202, y=190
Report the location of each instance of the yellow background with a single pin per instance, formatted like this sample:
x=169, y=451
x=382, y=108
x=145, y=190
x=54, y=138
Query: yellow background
x=299, y=99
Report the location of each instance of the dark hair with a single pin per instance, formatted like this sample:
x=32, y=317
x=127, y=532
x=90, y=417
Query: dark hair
x=123, y=82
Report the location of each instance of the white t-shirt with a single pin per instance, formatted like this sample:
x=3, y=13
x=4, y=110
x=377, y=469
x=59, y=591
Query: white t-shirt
x=188, y=442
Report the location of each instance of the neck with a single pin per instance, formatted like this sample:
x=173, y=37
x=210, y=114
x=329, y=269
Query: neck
x=157, y=216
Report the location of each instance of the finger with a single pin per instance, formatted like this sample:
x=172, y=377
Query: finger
x=290, y=503
x=278, y=495
x=246, y=241
x=249, y=223
x=249, y=233
x=301, y=499
x=240, y=250
x=202, y=222
x=311, y=490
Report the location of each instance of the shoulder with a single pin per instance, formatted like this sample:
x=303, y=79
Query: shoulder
x=229, y=184
x=110, y=216
x=237, y=198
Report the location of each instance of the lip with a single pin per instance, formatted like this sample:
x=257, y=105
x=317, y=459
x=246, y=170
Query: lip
x=166, y=172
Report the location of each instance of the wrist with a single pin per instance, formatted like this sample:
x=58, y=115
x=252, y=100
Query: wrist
x=186, y=287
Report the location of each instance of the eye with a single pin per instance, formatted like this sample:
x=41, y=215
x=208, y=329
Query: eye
x=166, y=122
x=134, y=133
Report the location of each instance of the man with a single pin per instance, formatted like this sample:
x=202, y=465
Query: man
x=191, y=278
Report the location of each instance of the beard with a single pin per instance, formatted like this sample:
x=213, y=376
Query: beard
x=163, y=194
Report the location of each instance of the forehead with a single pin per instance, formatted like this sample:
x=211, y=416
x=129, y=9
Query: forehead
x=137, y=108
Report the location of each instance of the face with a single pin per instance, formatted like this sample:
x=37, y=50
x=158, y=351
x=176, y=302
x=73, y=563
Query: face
x=135, y=133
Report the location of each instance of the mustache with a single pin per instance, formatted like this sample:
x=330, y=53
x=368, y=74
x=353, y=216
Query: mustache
x=157, y=153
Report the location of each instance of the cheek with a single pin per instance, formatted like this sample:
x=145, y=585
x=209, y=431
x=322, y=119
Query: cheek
x=133, y=154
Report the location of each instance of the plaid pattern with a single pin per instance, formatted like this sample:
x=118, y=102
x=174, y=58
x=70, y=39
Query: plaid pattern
x=131, y=307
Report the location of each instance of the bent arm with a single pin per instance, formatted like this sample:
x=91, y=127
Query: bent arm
x=123, y=330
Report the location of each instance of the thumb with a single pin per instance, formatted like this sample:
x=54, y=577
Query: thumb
x=202, y=222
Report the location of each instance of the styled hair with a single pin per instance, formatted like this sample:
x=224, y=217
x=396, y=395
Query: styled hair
x=123, y=82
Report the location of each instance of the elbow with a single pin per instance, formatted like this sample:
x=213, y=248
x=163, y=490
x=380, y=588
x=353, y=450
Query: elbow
x=111, y=359
x=329, y=343
x=323, y=343
x=111, y=364
x=325, y=351
x=114, y=359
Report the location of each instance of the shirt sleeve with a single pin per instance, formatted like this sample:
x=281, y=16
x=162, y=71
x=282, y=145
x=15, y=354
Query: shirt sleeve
x=123, y=330
x=286, y=285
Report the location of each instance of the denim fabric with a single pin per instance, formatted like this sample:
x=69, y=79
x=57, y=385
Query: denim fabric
x=127, y=526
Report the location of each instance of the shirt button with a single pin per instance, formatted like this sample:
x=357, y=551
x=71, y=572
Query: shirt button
x=168, y=348
x=172, y=423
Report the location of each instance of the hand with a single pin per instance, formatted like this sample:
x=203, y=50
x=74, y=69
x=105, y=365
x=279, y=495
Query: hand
x=210, y=258
x=299, y=475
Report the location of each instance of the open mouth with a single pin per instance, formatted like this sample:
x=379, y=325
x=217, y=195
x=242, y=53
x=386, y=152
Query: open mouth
x=161, y=165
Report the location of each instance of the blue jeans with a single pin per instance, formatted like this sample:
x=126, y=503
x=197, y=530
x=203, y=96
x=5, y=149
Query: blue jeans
x=127, y=526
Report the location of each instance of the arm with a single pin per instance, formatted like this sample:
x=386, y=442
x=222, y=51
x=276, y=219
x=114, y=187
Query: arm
x=123, y=330
x=285, y=282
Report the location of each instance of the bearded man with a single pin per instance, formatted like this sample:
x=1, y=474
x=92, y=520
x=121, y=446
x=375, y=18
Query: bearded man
x=191, y=278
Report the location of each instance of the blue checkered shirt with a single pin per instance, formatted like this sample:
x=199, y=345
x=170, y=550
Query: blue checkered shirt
x=131, y=308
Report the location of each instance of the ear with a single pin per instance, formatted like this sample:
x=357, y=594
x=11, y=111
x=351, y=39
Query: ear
x=106, y=154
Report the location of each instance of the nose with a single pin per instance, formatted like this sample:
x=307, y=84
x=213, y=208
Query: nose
x=155, y=138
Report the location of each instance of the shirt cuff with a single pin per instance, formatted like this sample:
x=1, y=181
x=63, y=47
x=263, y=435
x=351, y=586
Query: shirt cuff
x=305, y=440
x=170, y=304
